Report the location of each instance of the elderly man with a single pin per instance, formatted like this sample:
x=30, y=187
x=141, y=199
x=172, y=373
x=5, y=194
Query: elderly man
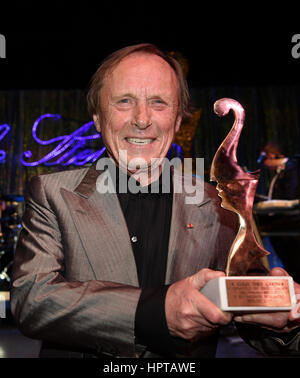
x=120, y=274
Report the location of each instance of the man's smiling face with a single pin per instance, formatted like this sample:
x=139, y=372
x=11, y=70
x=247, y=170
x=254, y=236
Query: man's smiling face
x=139, y=104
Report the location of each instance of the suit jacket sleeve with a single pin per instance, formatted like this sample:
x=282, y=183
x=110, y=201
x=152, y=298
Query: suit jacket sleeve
x=270, y=342
x=93, y=314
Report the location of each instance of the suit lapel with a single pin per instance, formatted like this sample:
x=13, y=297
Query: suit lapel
x=102, y=229
x=191, y=231
x=103, y=232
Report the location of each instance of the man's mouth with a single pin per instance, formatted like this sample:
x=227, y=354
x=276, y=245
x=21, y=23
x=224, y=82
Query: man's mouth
x=139, y=141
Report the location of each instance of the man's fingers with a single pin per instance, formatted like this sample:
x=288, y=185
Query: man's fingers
x=212, y=313
x=278, y=272
x=188, y=312
x=276, y=320
x=208, y=309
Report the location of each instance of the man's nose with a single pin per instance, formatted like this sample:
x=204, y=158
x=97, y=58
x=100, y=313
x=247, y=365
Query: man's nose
x=142, y=116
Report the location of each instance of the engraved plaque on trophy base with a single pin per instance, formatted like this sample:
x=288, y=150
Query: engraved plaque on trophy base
x=251, y=293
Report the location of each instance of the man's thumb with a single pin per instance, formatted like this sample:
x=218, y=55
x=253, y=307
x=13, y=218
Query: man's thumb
x=278, y=272
x=200, y=278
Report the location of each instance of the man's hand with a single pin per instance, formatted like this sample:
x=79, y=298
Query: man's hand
x=281, y=321
x=189, y=314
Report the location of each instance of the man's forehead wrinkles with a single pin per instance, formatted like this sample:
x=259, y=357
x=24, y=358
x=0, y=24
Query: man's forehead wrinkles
x=143, y=94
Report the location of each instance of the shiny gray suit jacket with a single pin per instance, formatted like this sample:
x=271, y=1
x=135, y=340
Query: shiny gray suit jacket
x=74, y=277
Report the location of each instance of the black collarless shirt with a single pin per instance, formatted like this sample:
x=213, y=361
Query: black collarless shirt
x=148, y=214
x=148, y=218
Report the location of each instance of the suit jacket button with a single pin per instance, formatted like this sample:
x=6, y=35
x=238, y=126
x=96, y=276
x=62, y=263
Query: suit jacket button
x=134, y=239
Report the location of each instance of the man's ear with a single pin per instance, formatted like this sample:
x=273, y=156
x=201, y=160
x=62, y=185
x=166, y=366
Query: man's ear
x=97, y=123
x=178, y=123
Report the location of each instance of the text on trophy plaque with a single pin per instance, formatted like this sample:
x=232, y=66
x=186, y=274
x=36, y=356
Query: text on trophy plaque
x=267, y=292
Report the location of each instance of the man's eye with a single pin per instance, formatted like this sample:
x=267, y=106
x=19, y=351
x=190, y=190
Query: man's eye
x=124, y=102
x=158, y=103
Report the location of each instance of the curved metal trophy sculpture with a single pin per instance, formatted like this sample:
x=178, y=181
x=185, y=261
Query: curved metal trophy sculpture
x=237, y=189
x=238, y=291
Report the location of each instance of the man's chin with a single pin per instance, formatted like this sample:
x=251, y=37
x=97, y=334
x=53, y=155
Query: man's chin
x=139, y=164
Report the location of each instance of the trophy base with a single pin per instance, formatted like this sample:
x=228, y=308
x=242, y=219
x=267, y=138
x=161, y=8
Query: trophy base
x=251, y=293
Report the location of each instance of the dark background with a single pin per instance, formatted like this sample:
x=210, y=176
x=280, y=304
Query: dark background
x=60, y=45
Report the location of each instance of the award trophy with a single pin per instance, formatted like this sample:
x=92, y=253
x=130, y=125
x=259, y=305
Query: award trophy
x=238, y=290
